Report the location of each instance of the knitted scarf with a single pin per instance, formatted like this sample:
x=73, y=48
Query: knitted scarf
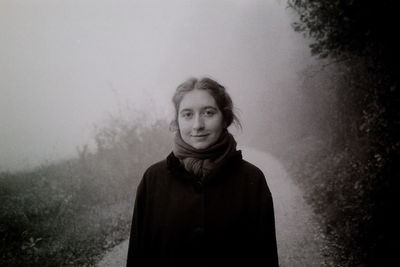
x=201, y=162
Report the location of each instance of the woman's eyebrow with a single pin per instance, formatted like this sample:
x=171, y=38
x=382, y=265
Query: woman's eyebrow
x=185, y=109
x=210, y=107
x=202, y=108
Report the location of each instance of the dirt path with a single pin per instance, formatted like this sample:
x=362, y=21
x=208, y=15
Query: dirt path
x=299, y=238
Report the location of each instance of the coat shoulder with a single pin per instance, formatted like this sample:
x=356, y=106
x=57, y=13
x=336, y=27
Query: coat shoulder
x=156, y=169
x=254, y=175
x=251, y=169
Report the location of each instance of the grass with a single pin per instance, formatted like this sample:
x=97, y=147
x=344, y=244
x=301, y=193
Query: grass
x=68, y=213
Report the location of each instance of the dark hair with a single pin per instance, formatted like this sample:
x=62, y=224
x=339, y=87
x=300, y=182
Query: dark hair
x=216, y=90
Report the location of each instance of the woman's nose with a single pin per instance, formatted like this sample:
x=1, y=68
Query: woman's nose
x=198, y=122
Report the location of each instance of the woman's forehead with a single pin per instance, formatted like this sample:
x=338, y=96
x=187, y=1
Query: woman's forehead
x=197, y=99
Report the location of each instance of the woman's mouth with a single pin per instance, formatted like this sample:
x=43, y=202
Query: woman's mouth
x=200, y=135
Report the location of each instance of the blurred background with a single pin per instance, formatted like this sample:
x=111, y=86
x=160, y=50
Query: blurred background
x=67, y=65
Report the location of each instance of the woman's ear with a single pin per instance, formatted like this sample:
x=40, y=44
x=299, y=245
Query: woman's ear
x=173, y=126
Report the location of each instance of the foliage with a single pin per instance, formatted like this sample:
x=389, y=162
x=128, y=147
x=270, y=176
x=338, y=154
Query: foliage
x=352, y=175
x=360, y=35
x=341, y=164
x=350, y=28
x=67, y=213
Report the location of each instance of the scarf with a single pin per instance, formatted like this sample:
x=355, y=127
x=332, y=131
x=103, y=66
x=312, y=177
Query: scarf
x=201, y=162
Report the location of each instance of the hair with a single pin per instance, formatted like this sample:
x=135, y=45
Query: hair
x=216, y=90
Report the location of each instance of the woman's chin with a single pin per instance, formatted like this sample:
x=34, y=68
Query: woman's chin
x=200, y=145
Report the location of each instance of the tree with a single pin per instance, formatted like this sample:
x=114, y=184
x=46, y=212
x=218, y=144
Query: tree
x=360, y=36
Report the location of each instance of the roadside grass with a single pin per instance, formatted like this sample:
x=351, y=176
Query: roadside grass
x=338, y=184
x=68, y=213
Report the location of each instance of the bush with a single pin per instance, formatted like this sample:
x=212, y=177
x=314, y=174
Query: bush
x=345, y=163
x=68, y=213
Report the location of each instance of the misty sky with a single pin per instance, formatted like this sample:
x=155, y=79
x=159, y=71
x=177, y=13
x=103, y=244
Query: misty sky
x=66, y=64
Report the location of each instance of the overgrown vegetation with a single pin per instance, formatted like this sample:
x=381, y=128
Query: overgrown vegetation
x=350, y=139
x=67, y=213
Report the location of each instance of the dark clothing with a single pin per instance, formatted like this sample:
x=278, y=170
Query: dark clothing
x=225, y=219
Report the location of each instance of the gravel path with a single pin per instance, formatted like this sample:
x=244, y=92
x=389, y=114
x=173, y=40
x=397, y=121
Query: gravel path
x=299, y=238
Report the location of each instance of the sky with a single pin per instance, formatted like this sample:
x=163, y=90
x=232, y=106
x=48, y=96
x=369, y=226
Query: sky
x=65, y=65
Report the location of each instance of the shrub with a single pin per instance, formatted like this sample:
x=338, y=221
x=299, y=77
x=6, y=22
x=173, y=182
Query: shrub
x=69, y=212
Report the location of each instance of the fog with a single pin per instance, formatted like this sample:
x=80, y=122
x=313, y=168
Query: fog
x=66, y=65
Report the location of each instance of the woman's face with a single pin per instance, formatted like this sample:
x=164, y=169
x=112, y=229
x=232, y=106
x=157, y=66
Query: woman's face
x=200, y=120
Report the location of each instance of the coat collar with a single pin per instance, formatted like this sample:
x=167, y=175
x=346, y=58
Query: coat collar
x=175, y=167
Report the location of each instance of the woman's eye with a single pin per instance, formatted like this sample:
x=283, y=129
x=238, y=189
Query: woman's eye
x=209, y=113
x=186, y=115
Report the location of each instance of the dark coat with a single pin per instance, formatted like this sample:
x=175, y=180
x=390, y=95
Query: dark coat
x=226, y=219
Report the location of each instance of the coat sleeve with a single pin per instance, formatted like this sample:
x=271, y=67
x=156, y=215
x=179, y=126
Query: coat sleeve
x=266, y=238
x=136, y=241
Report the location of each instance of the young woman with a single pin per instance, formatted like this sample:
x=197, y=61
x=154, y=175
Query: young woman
x=203, y=205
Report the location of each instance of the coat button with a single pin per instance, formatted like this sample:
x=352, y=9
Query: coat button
x=198, y=186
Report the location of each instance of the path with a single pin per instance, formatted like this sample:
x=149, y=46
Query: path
x=298, y=236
